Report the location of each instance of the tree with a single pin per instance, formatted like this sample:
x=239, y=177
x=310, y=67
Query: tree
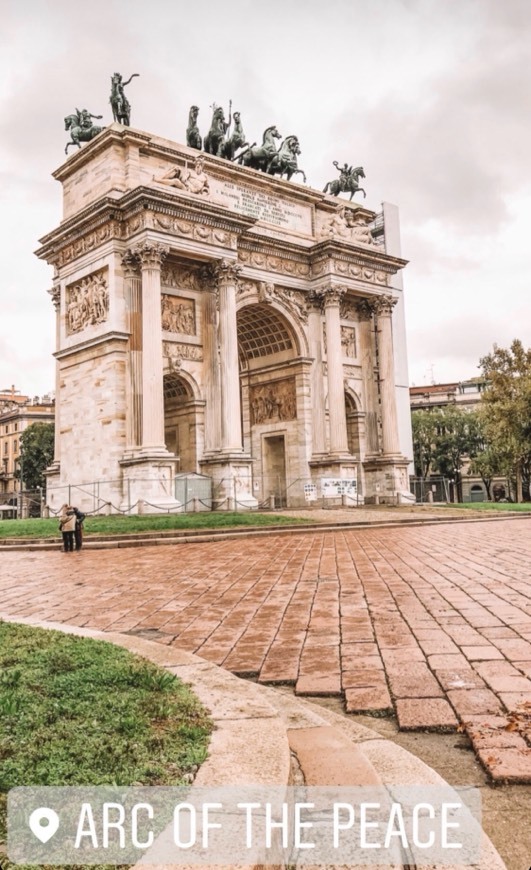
x=36, y=454
x=443, y=440
x=459, y=440
x=426, y=426
x=507, y=410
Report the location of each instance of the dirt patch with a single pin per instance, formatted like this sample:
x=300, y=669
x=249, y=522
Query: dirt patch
x=506, y=809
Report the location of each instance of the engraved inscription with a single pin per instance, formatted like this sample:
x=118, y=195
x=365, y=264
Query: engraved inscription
x=246, y=199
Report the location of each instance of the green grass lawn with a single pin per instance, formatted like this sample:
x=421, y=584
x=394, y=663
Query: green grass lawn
x=75, y=711
x=119, y=525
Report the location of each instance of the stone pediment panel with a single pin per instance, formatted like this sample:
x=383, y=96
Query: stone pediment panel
x=350, y=268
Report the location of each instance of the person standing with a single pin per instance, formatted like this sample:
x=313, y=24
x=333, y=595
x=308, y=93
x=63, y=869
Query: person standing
x=67, y=525
x=78, y=532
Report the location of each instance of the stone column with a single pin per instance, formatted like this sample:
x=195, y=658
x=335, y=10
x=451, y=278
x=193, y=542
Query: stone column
x=226, y=273
x=55, y=293
x=336, y=390
x=211, y=363
x=151, y=256
x=384, y=313
x=316, y=379
x=133, y=302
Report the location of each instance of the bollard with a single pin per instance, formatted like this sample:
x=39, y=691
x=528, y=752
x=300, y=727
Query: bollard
x=195, y=504
x=46, y=512
x=272, y=501
x=376, y=499
x=430, y=497
x=108, y=508
x=141, y=506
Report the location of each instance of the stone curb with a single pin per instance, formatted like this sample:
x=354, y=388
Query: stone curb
x=154, y=539
x=257, y=727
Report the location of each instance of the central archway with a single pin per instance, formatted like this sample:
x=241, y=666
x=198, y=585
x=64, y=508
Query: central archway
x=269, y=351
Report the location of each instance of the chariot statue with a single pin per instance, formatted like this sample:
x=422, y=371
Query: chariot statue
x=81, y=127
x=121, y=108
x=347, y=181
x=260, y=156
x=218, y=128
x=234, y=142
x=284, y=161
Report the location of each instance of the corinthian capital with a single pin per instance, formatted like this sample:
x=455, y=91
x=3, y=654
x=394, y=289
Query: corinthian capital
x=365, y=309
x=332, y=296
x=130, y=263
x=384, y=305
x=150, y=254
x=226, y=272
x=55, y=293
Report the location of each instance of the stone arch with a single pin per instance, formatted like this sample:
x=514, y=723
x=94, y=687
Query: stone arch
x=183, y=419
x=355, y=423
x=272, y=351
x=274, y=318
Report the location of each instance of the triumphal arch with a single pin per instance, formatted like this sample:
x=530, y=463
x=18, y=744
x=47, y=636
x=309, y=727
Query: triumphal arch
x=215, y=319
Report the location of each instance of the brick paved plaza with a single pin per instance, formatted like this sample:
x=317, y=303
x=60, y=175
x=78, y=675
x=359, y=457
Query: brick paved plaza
x=433, y=622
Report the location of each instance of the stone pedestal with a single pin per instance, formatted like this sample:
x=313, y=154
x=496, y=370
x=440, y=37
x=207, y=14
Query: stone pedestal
x=232, y=481
x=148, y=484
x=385, y=480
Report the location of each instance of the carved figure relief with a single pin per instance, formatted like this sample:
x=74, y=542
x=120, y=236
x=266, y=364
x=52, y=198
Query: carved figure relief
x=294, y=300
x=348, y=341
x=178, y=314
x=273, y=263
x=87, y=302
x=176, y=352
x=193, y=180
x=273, y=402
x=345, y=226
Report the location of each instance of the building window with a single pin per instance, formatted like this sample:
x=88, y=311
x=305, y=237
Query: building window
x=15, y=446
x=16, y=427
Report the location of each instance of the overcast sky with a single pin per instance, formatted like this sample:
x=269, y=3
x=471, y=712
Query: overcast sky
x=432, y=97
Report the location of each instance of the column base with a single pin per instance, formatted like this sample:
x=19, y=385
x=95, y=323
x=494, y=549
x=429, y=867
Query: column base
x=232, y=481
x=148, y=483
x=55, y=496
x=386, y=479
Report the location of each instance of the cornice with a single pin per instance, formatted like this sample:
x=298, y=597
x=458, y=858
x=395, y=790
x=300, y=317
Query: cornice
x=90, y=343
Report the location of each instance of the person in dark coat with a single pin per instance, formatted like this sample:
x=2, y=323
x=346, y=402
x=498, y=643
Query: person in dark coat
x=78, y=532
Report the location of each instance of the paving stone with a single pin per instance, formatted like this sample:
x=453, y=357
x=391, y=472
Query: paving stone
x=368, y=700
x=318, y=684
x=425, y=714
x=481, y=653
x=464, y=678
x=507, y=765
x=327, y=757
x=469, y=702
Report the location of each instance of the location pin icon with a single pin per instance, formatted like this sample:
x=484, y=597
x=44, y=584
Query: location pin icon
x=43, y=823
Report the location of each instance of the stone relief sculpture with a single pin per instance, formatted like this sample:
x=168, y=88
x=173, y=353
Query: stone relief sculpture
x=347, y=181
x=273, y=402
x=177, y=352
x=193, y=137
x=348, y=341
x=344, y=225
x=193, y=180
x=87, y=302
x=178, y=314
x=121, y=108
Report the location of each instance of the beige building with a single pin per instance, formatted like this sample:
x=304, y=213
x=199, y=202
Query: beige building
x=215, y=320
x=466, y=396
x=17, y=412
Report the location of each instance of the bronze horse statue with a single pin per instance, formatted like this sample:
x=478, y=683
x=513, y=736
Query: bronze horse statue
x=260, y=156
x=193, y=137
x=121, y=107
x=284, y=161
x=216, y=135
x=347, y=181
x=79, y=131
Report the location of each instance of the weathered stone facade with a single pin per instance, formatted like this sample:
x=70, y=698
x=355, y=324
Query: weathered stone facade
x=251, y=331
